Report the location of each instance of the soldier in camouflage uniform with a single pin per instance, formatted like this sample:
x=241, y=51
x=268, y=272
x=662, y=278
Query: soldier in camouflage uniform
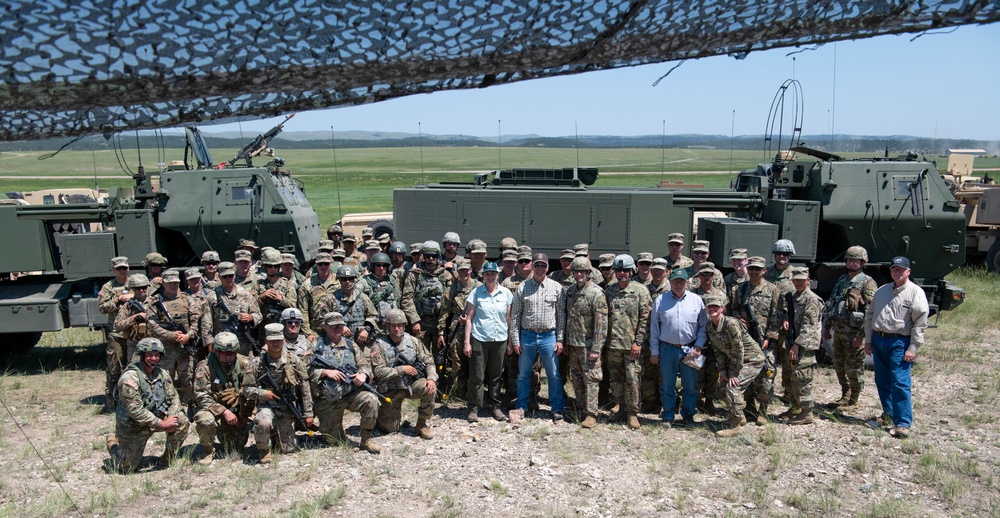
x=295, y=341
x=629, y=305
x=131, y=318
x=273, y=292
x=335, y=233
x=508, y=264
x=195, y=283
x=352, y=254
x=738, y=261
x=218, y=390
x=477, y=257
x=780, y=274
x=762, y=299
x=230, y=308
x=643, y=263
x=807, y=327
x=699, y=256
x=210, y=261
x=564, y=275
x=586, y=335
x=604, y=264
x=337, y=389
x=423, y=293
x=394, y=375
x=313, y=291
x=290, y=272
x=292, y=378
x=380, y=287
x=845, y=316
x=245, y=276
x=359, y=312
x=737, y=356
x=112, y=295
x=451, y=328
x=147, y=403
x=675, y=259
x=449, y=251
x=399, y=265
x=174, y=318
x=708, y=376
x=649, y=389
x=154, y=264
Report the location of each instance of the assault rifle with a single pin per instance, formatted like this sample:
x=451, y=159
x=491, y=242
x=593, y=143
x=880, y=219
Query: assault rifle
x=134, y=307
x=287, y=400
x=421, y=371
x=237, y=327
x=320, y=362
x=753, y=327
x=254, y=148
x=174, y=325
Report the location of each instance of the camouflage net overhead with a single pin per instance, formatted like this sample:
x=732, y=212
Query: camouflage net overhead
x=88, y=66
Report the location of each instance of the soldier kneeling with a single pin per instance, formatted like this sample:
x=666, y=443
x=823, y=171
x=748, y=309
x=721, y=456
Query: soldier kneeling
x=403, y=369
x=222, y=408
x=738, y=356
x=338, y=371
x=147, y=403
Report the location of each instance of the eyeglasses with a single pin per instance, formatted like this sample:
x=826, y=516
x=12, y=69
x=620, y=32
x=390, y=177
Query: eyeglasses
x=699, y=252
x=210, y=263
x=604, y=268
x=121, y=268
x=272, y=266
x=540, y=265
x=645, y=264
x=293, y=322
x=620, y=270
x=523, y=261
x=675, y=244
x=565, y=260
x=228, y=275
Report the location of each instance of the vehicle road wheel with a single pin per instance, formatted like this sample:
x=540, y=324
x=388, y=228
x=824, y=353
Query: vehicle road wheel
x=381, y=226
x=993, y=258
x=18, y=343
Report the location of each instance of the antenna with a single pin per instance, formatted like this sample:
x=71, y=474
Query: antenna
x=93, y=153
x=732, y=137
x=420, y=132
x=499, y=146
x=833, y=114
x=336, y=173
x=577, y=131
x=138, y=149
x=663, y=148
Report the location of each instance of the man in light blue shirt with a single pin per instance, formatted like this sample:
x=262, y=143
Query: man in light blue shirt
x=676, y=326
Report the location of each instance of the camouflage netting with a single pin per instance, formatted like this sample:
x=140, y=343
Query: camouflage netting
x=89, y=66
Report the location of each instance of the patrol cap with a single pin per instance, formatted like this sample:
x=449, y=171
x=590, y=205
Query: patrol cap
x=737, y=253
x=477, y=246
x=716, y=299
x=248, y=243
x=192, y=273
x=335, y=228
x=900, y=261
x=338, y=253
x=227, y=268
x=676, y=237
x=800, y=272
x=119, y=261
x=290, y=314
x=491, y=266
x=367, y=232
x=510, y=255
x=581, y=249
x=524, y=255
x=644, y=257
x=226, y=342
x=679, y=273
x=288, y=259
x=323, y=257
x=523, y=249
x=271, y=258
x=540, y=258
x=171, y=276
x=451, y=237
x=706, y=266
x=372, y=244
x=567, y=253
x=463, y=264
x=333, y=319
x=660, y=264
x=154, y=258
x=210, y=256
x=348, y=237
x=606, y=260
x=415, y=248
x=274, y=332
x=699, y=246
x=138, y=280
x=757, y=261
x=384, y=238
x=326, y=245
x=243, y=255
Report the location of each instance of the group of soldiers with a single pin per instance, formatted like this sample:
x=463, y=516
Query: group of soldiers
x=254, y=345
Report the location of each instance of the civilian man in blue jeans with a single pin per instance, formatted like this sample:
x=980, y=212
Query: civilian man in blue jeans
x=677, y=324
x=538, y=320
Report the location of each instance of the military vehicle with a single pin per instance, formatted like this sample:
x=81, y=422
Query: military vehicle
x=49, y=277
x=980, y=202
x=820, y=201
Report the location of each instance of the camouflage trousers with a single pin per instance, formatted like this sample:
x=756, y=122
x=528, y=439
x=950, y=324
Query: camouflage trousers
x=390, y=415
x=126, y=456
x=848, y=362
x=762, y=388
x=331, y=413
x=749, y=376
x=624, y=373
x=586, y=376
x=800, y=378
x=209, y=427
x=177, y=362
x=649, y=390
x=280, y=421
x=708, y=378
x=458, y=370
x=114, y=354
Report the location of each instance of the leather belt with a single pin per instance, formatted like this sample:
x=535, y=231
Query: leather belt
x=540, y=331
x=890, y=335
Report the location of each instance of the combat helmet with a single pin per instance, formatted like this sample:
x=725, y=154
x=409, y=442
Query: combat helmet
x=783, y=246
x=430, y=247
x=347, y=271
x=580, y=264
x=398, y=247
x=622, y=262
x=226, y=342
x=857, y=252
x=290, y=314
x=380, y=258
x=395, y=316
x=149, y=345
x=138, y=280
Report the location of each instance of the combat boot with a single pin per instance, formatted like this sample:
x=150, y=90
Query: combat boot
x=737, y=427
x=589, y=422
x=853, y=400
x=633, y=422
x=367, y=443
x=845, y=397
x=761, y=415
x=208, y=454
x=263, y=454
x=169, y=454
x=618, y=416
x=473, y=416
x=423, y=430
x=112, y=445
x=790, y=413
x=804, y=417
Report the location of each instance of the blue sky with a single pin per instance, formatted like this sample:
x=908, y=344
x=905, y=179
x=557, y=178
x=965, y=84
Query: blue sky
x=942, y=85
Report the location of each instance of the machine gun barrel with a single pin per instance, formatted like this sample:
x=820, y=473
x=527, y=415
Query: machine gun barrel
x=318, y=361
x=259, y=143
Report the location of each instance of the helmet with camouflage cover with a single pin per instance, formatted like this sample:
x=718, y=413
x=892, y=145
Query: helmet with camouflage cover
x=380, y=258
x=508, y=243
x=430, y=247
x=398, y=247
x=580, y=264
x=347, y=272
x=155, y=259
x=226, y=342
x=271, y=258
x=138, y=280
x=451, y=237
x=149, y=345
x=857, y=252
x=395, y=316
x=621, y=262
x=290, y=314
x=783, y=246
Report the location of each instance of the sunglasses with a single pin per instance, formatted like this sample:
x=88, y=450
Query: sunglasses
x=121, y=268
x=754, y=268
x=706, y=274
x=293, y=322
x=228, y=275
x=699, y=252
x=540, y=265
x=784, y=254
x=523, y=261
x=210, y=263
x=380, y=265
x=430, y=256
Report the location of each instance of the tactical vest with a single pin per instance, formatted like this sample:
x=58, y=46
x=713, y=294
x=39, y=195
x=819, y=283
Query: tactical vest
x=354, y=314
x=221, y=380
x=177, y=308
x=343, y=360
x=428, y=294
x=154, y=396
x=849, y=306
x=269, y=308
x=382, y=296
x=408, y=350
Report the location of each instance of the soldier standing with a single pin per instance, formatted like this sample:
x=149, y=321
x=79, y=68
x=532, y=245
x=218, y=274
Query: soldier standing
x=154, y=263
x=222, y=408
x=649, y=390
x=675, y=259
x=289, y=271
x=395, y=359
x=800, y=357
x=607, y=272
x=380, y=287
x=737, y=356
x=292, y=381
x=449, y=255
x=296, y=342
x=643, y=264
x=335, y=233
x=738, y=261
x=112, y=295
x=477, y=255
x=451, y=328
x=210, y=261
x=780, y=274
x=397, y=257
x=629, y=305
x=230, y=308
x=352, y=253
x=359, y=313
x=339, y=388
x=174, y=319
x=845, y=316
x=273, y=292
x=147, y=403
x=508, y=264
x=564, y=275
x=313, y=291
x=423, y=293
x=699, y=257
x=586, y=335
x=131, y=319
